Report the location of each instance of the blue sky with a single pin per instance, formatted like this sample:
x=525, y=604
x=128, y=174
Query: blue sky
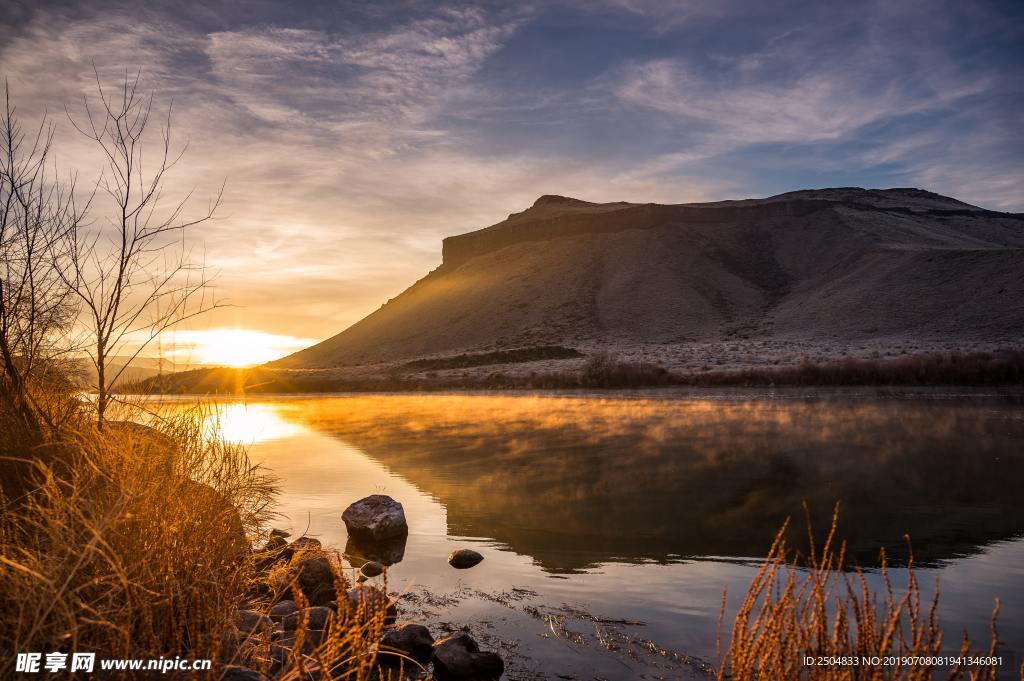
x=354, y=136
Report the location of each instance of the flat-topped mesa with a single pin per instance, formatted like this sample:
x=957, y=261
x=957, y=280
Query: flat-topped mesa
x=552, y=216
x=844, y=266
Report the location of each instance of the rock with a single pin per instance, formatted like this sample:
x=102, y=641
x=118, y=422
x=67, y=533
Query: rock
x=372, y=569
x=462, y=559
x=275, y=544
x=411, y=640
x=369, y=600
x=315, y=578
x=220, y=518
x=375, y=517
x=251, y=622
x=459, y=658
x=280, y=534
x=236, y=673
x=146, y=441
x=387, y=552
x=317, y=617
x=311, y=640
x=306, y=544
x=281, y=610
x=298, y=546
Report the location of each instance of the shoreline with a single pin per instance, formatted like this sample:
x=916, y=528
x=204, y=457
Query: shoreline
x=604, y=371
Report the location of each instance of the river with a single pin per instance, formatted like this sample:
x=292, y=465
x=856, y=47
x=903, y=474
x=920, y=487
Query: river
x=610, y=523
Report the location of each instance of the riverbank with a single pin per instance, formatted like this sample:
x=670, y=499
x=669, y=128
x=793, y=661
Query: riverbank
x=599, y=371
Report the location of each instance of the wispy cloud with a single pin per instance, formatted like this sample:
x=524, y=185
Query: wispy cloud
x=354, y=138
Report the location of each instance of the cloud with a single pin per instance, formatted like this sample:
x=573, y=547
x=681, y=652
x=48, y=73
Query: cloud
x=353, y=141
x=894, y=94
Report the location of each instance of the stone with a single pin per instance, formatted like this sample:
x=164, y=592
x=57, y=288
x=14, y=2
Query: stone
x=299, y=546
x=236, y=673
x=372, y=569
x=463, y=559
x=459, y=658
x=280, y=610
x=409, y=640
x=280, y=534
x=220, y=518
x=375, y=518
x=317, y=617
x=306, y=544
x=251, y=622
x=315, y=578
x=368, y=600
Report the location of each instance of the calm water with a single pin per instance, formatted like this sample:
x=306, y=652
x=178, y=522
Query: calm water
x=610, y=521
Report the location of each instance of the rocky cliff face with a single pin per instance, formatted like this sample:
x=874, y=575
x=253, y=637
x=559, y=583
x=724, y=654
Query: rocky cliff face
x=836, y=267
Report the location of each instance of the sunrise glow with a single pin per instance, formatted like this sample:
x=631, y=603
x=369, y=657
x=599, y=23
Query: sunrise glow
x=233, y=347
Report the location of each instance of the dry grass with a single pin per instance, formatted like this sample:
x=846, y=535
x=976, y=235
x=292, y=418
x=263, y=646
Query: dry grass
x=818, y=609
x=135, y=544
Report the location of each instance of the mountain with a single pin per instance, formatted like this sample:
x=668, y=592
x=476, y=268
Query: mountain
x=806, y=274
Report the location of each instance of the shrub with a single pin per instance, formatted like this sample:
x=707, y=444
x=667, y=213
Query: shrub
x=605, y=370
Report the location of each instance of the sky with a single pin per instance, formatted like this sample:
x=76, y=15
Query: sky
x=353, y=137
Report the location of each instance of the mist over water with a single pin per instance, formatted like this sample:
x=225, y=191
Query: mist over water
x=642, y=507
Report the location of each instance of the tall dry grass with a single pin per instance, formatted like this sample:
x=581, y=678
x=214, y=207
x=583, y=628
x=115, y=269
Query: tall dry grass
x=135, y=543
x=813, y=608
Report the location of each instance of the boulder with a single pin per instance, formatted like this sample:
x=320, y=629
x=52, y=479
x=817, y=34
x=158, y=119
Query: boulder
x=306, y=544
x=375, y=518
x=220, y=515
x=463, y=559
x=371, y=569
x=299, y=546
x=251, y=622
x=409, y=640
x=236, y=673
x=459, y=658
x=317, y=617
x=314, y=577
x=147, y=442
x=280, y=610
x=368, y=600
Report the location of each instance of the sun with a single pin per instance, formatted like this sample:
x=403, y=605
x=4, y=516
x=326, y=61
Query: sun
x=235, y=347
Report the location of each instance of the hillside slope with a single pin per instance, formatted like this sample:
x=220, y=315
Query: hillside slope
x=843, y=267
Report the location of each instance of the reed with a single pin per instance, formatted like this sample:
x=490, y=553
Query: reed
x=134, y=542
x=814, y=608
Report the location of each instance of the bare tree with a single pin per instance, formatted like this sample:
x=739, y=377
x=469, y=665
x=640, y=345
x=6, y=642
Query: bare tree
x=133, y=271
x=37, y=213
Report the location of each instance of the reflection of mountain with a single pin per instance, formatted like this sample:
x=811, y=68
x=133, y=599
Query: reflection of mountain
x=573, y=482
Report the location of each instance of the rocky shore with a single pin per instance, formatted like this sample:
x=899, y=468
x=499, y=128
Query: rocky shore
x=304, y=605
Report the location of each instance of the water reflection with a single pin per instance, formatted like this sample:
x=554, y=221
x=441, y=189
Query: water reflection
x=576, y=482
x=253, y=423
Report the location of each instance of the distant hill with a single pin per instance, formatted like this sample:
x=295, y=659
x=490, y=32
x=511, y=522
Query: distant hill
x=132, y=370
x=809, y=272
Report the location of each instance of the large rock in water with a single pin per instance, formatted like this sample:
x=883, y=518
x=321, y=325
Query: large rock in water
x=375, y=518
x=459, y=658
